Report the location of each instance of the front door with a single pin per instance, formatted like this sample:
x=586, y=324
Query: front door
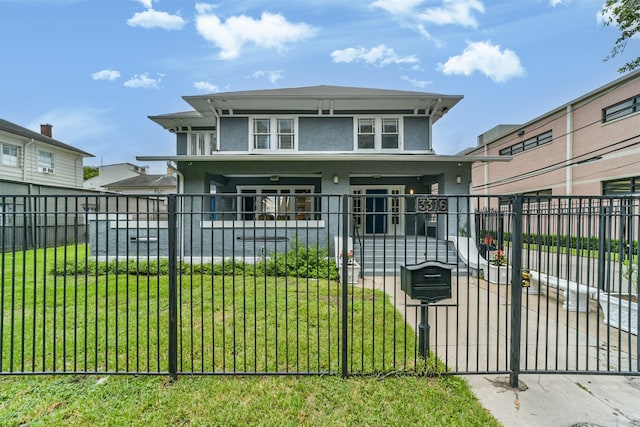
x=376, y=211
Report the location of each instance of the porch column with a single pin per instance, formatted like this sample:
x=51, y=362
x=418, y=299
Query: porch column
x=334, y=183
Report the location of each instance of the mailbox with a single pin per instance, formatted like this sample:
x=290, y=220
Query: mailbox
x=428, y=282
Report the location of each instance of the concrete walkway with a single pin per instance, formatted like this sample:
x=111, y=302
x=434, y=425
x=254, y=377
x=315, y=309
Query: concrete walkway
x=470, y=333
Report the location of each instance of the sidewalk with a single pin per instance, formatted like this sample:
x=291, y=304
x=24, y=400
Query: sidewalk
x=560, y=399
x=554, y=399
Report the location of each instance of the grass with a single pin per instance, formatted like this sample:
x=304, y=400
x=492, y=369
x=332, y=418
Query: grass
x=281, y=401
x=246, y=324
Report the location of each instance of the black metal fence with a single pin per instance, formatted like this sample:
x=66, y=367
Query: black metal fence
x=303, y=283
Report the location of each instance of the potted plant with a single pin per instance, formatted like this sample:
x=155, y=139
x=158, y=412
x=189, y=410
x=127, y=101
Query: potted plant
x=497, y=268
x=353, y=268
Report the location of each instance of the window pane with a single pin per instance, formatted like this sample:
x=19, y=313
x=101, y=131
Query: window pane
x=365, y=141
x=45, y=159
x=389, y=141
x=285, y=126
x=389, y=125
x=366, y=125
x=261, y=142
x=285, y=142
x=261, y=126
x=9, y=155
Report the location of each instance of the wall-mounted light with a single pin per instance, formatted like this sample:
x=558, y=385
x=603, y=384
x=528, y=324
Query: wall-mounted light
x=458, y=179
x=411, y=191
x=274, y=178
x=336, y=179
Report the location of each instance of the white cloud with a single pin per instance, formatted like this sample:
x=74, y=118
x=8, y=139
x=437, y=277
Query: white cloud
x=106, y=75
x=272, y=76
x=486, y=58
x=379, y=56
x=554, y=3
x=205, y=87
x=457, y=12
x=155, y=19
x=143, y=81
x=417, y=83
x=271, y=31
x=148, y=4
x=454, y=12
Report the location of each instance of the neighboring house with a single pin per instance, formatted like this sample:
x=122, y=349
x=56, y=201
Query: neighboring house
x=271, y=151
x=35, y=163
x=37, y=173
x=589, y=146
x=108, y=174
x=144, y=184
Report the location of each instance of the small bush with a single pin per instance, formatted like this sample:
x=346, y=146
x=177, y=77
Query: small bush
x=301, y=261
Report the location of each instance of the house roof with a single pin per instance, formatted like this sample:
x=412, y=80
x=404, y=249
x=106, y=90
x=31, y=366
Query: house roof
x=150, y=181
x=183, y=119
x=324, y=100
x=15, y=129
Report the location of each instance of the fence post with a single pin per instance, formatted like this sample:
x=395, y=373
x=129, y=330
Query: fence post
x=516, y=291
x=345, y=290
x=172, y=230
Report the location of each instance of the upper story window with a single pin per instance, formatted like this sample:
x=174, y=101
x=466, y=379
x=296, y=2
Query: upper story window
x=621, y=186
x=528, y=144
x=378, y=133
x=273, y=133
x=9, y=155
x=202, y=144
x=45, y=161
x=621, y=109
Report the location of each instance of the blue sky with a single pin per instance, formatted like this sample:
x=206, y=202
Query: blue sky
x=95, y=69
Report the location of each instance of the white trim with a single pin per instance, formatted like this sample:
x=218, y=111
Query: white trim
x=400, y=227
x=377, y=135
x=257, y=224
x=273, y=134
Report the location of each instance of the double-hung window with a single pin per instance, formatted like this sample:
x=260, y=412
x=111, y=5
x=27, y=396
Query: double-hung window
x=273, y=133
x=45, y=161
x=9, y=155
x=202, y=143
x=378, y=133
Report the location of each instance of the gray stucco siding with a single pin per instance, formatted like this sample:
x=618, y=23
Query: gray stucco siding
x=417, y=135
x=325, y=134
x=234, y=134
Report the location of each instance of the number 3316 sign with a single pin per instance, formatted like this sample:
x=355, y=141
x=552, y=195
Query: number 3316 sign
x=432, y=204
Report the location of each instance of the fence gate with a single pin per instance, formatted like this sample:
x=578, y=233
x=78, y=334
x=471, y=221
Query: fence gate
x=300, y=283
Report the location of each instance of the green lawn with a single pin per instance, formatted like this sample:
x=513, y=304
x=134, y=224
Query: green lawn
x=277, y=401
x=240, y=323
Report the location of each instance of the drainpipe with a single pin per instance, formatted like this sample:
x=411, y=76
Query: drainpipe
x=569, y=153
x=24, y=160
x=180, y=206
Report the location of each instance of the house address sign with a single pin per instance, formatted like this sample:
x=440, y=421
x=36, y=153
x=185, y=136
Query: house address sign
x=432, y=204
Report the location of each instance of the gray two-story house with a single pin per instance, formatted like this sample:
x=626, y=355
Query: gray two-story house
x=264, y=156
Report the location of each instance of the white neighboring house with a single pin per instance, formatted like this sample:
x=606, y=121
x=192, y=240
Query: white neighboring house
x=108, y=174
x=35, y=163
